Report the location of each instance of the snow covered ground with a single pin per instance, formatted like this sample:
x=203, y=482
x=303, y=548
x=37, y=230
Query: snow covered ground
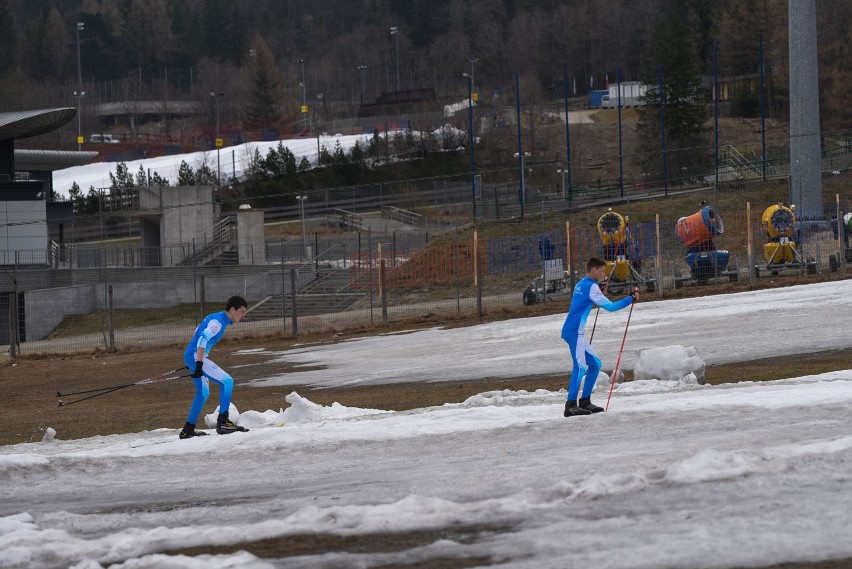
x=675, y=474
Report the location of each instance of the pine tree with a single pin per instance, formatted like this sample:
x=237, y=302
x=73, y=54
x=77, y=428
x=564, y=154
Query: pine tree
x=186, y=175
x=674, y=51
x=263, y=108
x=8, y=39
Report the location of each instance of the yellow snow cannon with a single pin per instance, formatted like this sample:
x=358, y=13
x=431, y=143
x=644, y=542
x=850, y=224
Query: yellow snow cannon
x=781, y=251
x=621, y=253
x=778, y=220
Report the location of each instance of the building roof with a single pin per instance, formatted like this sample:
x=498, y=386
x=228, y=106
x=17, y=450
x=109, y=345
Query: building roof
x=24, y=124
x=49, y=160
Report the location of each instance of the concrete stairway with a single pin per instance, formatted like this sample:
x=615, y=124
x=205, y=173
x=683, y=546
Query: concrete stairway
x=328, y=293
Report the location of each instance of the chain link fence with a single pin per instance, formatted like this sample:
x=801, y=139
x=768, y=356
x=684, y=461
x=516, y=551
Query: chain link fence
x=714, y=239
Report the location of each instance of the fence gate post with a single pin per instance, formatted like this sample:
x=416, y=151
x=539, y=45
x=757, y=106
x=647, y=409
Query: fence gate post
x=283, y=293
x=110, y=321
x=383, y=299
x=750, y=248
x=477, y=277
x=13, y=319
x=841, y=241
x=659, y=260
x=295, y=316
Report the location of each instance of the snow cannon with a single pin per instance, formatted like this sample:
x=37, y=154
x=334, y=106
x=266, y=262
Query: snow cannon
x=612, y=228
x=620, y=251
x=779, y=220
x=700, y=228
x=697, y=232
x=781, y=251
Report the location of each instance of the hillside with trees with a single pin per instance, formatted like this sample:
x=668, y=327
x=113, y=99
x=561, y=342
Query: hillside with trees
x=253, y=49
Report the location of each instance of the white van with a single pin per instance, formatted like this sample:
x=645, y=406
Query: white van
x=103, y=139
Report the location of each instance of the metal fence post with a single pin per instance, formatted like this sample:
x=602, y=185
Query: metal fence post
x=750, y=248
x=202, y=295
x=14, y=346
x=110, y=321
x=283, y=293
x=295, y=317
x=383, y=301
x=658, y=269
x=477, y=277
x=841, y=242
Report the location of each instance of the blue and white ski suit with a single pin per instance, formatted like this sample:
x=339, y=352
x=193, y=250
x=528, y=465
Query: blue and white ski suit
x=206, y=335
x=587, y=364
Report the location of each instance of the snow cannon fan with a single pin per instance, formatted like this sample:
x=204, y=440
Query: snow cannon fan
x=697, y=232
x=779, y=221
x=699, y=229
x=612, y=228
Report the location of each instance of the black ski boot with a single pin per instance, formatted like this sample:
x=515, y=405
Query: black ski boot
x=189, y=431
x=573, y=410
x=224, y=426
x=586, y=403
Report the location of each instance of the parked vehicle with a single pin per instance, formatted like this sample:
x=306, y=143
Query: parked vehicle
x=103, y=139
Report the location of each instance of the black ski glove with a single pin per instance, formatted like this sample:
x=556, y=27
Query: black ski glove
x=198, y=371
x=634, y=293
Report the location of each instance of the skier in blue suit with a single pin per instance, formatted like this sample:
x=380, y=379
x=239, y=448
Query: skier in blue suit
x=204, y=370
x=587, y=294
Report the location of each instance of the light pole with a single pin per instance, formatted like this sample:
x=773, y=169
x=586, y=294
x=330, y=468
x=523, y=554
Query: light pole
x=472, y=60
x=520, y=156
x=214, y=99
x=79, y=93
x=303, y=85
x=302, y=219
x=564, y=173
x=394, y=31
x=470, y=141
x=362, y=69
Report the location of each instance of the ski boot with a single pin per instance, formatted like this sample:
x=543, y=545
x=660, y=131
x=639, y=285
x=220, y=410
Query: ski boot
x=586, y=403
x=573, y=410
x=189, y=431
x=224, y=426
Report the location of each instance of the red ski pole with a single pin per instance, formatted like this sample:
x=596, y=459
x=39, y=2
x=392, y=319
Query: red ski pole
x=618, y=361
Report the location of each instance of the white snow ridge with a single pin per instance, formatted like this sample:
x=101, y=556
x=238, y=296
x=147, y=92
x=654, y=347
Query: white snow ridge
x=674, y=474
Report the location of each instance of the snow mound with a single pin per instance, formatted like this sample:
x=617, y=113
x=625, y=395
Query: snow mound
x=505, y=397
x=669, y=363
x=303, y=410
x=49, y=434
x=233, y=415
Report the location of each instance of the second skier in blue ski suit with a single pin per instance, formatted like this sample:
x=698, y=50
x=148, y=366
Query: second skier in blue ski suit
x=586, y=363
x=204, y=370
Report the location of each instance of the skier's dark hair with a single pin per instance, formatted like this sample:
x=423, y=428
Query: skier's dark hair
x=595, y=262
x=236, y=302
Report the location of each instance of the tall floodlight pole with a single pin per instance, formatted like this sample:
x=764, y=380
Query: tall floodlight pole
x=303, y=85
x=394, y=31
x=472, y=60
x=302, y=219
x=471, y=141
x=567, y=136
x=214, y=99
x=361, y=73
x=79, y=94
x=522, y=195
x=805, y=150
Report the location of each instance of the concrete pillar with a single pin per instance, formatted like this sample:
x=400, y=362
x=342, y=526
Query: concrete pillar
x=252, y=244
x=805, y=152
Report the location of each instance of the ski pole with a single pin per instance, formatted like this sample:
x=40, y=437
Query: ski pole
x=618, y=361
x=166, y=376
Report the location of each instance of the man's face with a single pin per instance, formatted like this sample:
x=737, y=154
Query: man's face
x=236, y=314
x=597, y=273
